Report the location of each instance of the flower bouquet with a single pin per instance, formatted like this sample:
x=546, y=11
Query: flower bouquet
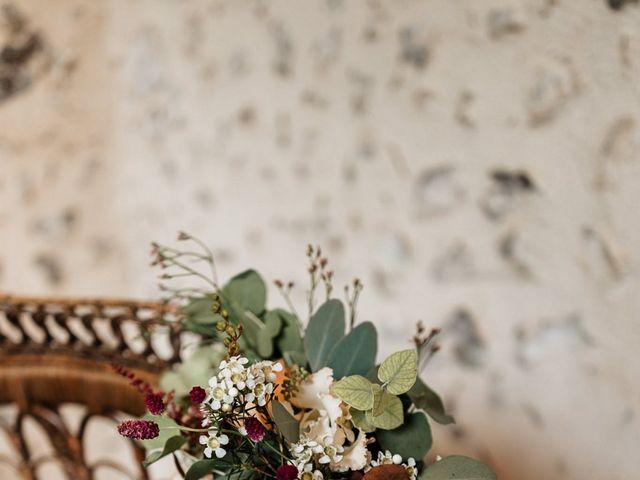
x=268, y=395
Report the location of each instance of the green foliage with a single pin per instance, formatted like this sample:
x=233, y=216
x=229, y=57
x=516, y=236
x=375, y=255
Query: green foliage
x=411, y=439
x=378, y=406
x=392, y=413
x=246, y=291
x=289, y=342
x=458, y=468
x=173, y=443
x=288, y=426
x=359, y=419
x=426, y=399
x=262, y=334
x=355, y=354
x=399, y=371
x=356, y=391
x=196, y=370
x=168, y=429
x=200, y=469
x=325, y=330
x=199, y=318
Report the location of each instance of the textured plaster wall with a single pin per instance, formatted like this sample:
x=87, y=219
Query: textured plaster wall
x=477, y=164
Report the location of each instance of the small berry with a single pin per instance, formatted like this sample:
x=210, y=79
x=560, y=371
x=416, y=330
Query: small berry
x=197, y=395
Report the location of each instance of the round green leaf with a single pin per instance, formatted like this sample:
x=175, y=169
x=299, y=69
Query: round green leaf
x=459, y=468
x=399, y=371
x=355, y=354
x=354, y=391
x=411, y=439
x=324, y=331
x=378, y=406
x=246, y=291
x=392, y=414
x=359, y=419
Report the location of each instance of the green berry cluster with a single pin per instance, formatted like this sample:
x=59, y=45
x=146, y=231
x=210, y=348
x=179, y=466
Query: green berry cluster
x=232, y=332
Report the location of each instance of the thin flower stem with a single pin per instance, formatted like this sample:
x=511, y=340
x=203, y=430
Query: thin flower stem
x=196, y=273
x=212, y=262
x=279, y=452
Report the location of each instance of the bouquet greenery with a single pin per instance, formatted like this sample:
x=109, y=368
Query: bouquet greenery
x=268, y=396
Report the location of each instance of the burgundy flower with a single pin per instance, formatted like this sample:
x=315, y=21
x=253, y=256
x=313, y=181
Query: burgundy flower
x=287, y=472
x=255, y=429
x=197, y=395
x=155, y=403
x=139, y=429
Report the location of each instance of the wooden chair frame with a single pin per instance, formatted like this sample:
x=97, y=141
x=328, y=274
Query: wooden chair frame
x=54, y=352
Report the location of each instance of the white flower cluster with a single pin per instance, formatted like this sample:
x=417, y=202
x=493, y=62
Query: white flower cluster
x=251, y=384
x=236, y=385
x=307, y=452
x=387, y=458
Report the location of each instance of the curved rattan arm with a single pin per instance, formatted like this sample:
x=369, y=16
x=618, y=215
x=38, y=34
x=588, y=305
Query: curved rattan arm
x=56, y=351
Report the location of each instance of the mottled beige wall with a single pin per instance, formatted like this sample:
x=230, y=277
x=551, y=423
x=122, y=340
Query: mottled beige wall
x=476, y=163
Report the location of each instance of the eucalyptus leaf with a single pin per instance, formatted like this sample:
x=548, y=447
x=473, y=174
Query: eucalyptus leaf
x=355, y=391
x=262, y=334
x=426, y=399
x=325, y=330
x=399, y=371
x=200, y=469
x=459, y=468
x=289, y=340
x=411, y=439
x=247, y=291
x=199, y=318
x=355, y=354
x=173, y=443
x=359, y=419
x=392, y=414
x=288, y=426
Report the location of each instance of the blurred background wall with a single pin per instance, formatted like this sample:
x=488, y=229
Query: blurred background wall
x=476, y=164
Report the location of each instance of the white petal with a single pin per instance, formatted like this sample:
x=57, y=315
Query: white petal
x=220, y=452
x=223, y=439
x=309, y=391
x=203, y=439
x=208, y=452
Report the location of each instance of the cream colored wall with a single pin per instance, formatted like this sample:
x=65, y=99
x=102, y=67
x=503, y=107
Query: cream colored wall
x=475, y=163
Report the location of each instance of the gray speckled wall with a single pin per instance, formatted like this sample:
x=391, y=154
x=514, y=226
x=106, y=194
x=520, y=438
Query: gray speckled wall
x=475, y=163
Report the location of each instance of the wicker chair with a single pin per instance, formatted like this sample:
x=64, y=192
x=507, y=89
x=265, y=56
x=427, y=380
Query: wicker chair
x=55, y=352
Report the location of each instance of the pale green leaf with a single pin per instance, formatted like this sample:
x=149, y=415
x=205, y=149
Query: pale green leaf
x=378, y=406
x=399, y=371
x=359, y=419
x=354, y=391
x=392, y=414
